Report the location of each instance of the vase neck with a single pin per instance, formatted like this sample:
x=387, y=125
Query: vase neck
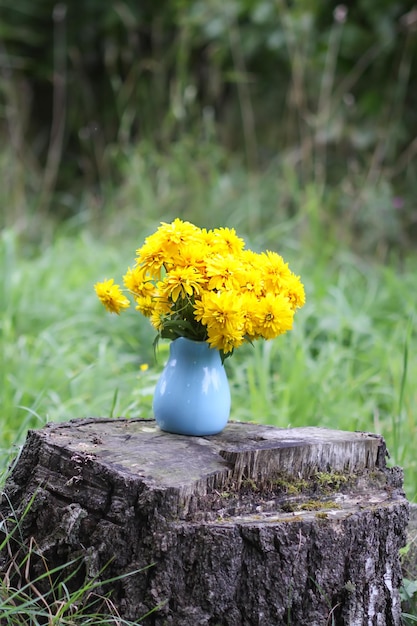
x=193, y=349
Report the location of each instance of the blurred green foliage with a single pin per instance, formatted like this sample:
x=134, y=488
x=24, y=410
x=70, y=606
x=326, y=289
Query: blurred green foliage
x=322, y=89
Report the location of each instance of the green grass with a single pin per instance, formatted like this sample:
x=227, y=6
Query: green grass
x=59, y=351
x=345, y=363
x=49, y=596
x=348, y=364
x=335, y=165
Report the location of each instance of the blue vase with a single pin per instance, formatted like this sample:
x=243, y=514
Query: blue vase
x=192, y=396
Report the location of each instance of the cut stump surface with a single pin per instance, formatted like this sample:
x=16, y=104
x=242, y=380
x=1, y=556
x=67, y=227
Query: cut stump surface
x=256, y=526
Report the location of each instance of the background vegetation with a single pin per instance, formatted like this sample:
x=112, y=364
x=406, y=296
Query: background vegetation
x=295, y=123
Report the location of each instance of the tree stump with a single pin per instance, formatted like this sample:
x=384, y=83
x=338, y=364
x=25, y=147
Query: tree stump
x=256, y=526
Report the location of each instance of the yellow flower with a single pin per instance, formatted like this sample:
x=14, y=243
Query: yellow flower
x=250, y=278
x=275, y=271
x=225, y=241
x=159, y=312
x=135, y=281
x=203, y=284
x=111, y=296
x=151, y=258
x=294, y=290
x=221, y=311
x=158, y=319
x=220, y=339
x=194, y=255
x=145, y=304
x=250, y=306
x=274, y=316
x=177, y=235
x=162, y=248
x=222, y=272
x=180, y=283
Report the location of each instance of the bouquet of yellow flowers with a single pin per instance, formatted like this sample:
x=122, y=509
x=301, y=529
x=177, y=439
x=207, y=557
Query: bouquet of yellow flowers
x=206, y=286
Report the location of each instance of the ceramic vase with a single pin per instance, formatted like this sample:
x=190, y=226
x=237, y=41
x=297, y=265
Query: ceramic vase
x=192, y=395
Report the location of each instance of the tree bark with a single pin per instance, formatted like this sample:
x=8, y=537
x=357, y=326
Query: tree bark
x=256, y=526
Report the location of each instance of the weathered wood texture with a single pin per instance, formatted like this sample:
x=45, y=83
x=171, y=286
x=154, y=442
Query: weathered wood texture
x=257, y=526
x=410, y=561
